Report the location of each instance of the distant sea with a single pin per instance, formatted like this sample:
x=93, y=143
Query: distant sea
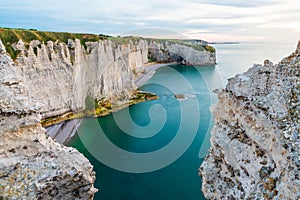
x=152, y=150
x=237, y=58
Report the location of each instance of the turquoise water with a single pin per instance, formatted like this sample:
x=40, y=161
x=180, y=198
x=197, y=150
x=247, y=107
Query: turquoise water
x=153, y=150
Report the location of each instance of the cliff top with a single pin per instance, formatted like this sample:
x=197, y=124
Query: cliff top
x=9, y=36
x=198, y=47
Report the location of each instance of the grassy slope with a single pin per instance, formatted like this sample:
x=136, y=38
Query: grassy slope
x=195, y=46
x=122, y=40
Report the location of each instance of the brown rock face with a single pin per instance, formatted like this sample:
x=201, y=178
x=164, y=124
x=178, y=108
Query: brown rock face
x=255, y=142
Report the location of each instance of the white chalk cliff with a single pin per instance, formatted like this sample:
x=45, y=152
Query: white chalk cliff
x=166, y=51
x=50, y=79
x=61, y=75
x=255, y=142
x=32, y=165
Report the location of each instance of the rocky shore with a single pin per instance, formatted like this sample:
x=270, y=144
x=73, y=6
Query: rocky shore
x=255, y=142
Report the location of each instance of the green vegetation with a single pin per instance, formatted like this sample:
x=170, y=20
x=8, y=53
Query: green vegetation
x=210, y=48
x=9, y=36
x=90, y=103
x=96, y=108
x=125, y=40
x=182, y=42
x=151, y=58
x=141, y=96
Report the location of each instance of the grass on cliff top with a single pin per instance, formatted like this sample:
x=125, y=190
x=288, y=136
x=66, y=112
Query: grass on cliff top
x=182, y=42
x=9, y=36
x=125, y=40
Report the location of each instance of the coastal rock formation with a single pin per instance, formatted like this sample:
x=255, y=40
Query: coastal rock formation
x=48, y=79
x=168, y=51
x=32, y=165
x=255, y=142
x=60, y=76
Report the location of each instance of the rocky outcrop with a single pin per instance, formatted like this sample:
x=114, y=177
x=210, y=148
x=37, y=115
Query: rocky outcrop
x=60, y=76
x=255, y=142
x=32, y=165
x=168, y=51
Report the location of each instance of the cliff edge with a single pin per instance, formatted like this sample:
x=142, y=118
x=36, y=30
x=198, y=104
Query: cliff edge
x=255, y=142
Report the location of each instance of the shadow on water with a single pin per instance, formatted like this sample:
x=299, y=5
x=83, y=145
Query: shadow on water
x=180, y=179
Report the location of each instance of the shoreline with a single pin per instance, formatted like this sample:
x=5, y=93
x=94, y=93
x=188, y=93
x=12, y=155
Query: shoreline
x=150, y=69
x=63, y=131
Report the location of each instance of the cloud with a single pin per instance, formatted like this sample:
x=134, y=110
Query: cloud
x=241, y=3
x=214, y=20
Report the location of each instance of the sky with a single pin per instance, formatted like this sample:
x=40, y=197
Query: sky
x=211, y=20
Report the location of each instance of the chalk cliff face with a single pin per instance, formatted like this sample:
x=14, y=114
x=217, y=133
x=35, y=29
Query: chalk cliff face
x=166, y=51
x=255, y=142
x=32, y=165
x=50, y=79
x=61, y=75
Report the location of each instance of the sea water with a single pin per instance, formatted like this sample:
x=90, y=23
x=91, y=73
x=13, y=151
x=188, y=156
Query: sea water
x=153, y=150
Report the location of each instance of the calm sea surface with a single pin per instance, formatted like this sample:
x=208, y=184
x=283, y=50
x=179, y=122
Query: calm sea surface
x=153, y=150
